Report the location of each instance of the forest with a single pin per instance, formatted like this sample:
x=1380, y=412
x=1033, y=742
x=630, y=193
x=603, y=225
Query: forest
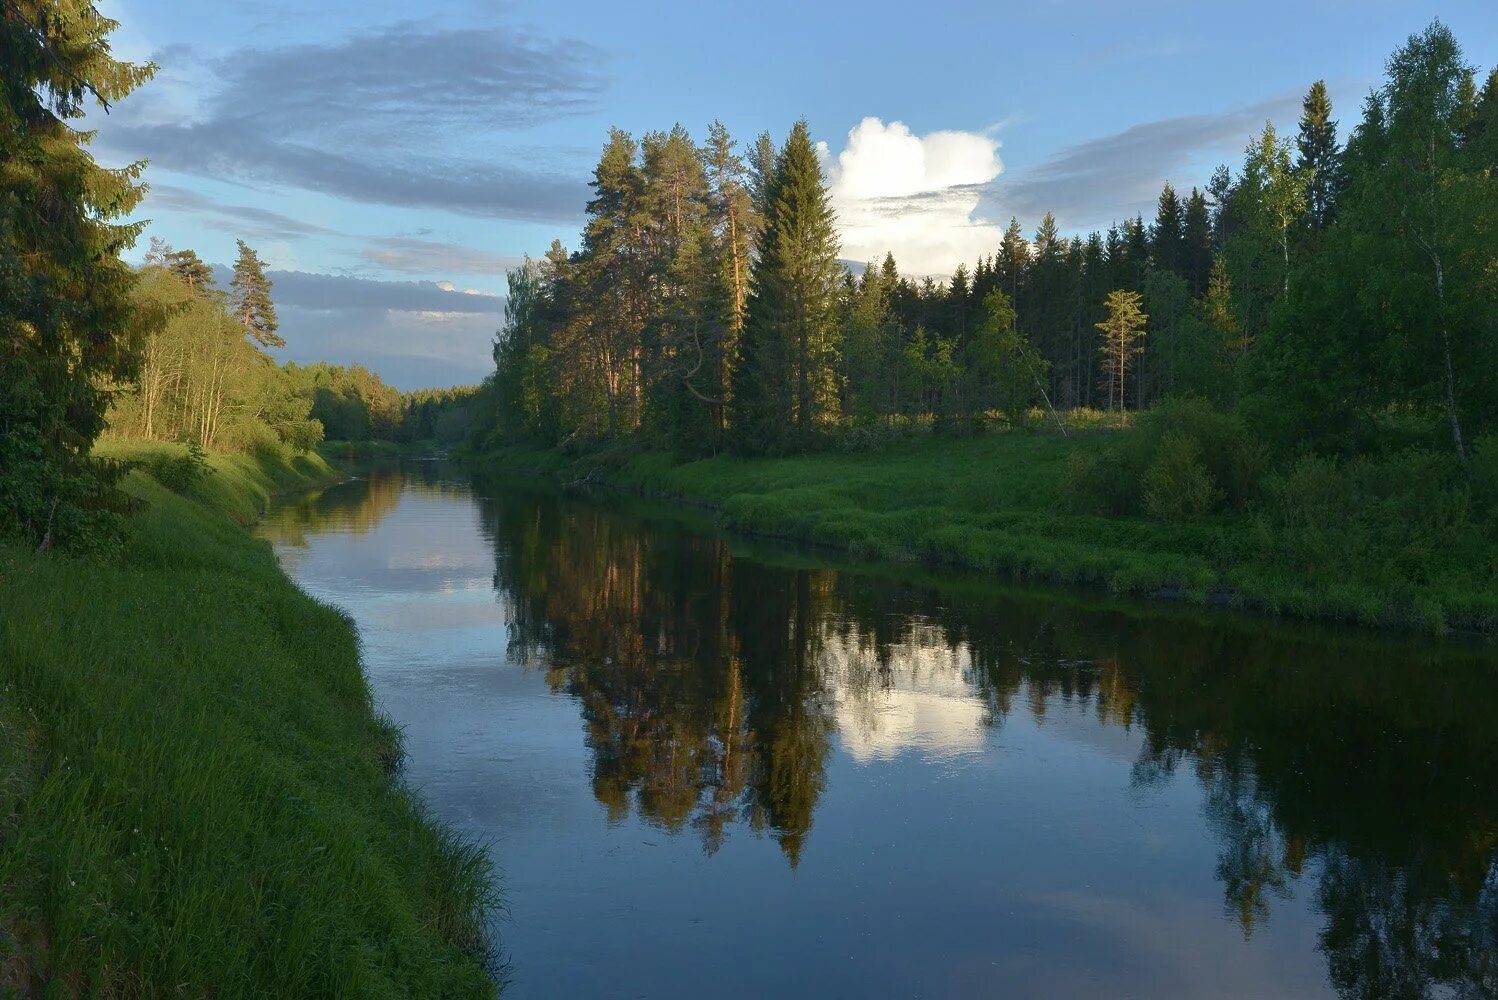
x=1276, y=393
x=1320, y=301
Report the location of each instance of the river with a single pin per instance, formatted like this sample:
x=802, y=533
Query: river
x=712, y=767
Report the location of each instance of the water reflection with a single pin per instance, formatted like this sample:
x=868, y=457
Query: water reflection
x=721, y=685
x=712, y=688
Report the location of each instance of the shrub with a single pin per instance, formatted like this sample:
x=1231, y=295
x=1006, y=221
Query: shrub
x=178, y=472
x=1100, y=480
x=1177, y=486
x=868, y=437
x=1226, y=469
x=1233, y=459
x=1397, y=518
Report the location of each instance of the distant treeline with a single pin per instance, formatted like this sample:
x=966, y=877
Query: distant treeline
x=1324, y=294
x=205, y=378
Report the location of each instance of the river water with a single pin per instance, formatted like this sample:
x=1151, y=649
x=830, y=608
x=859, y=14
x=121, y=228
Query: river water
x=714, y=768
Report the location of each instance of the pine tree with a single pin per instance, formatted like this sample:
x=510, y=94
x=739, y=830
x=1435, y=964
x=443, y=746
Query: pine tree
x=1122, y=330
x=1217, y=307
x=191, y=270
x=959, y=296
x=1319, y=162
x=733, y=218
x=69, y=331
x=613, y=266
x=788, y=379
x=250, y=299
x=1136, y=251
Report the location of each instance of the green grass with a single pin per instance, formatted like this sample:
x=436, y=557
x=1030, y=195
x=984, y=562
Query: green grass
x=996, y=503
x=196, y=796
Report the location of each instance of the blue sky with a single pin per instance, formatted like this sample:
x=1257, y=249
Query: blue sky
x=390, y=160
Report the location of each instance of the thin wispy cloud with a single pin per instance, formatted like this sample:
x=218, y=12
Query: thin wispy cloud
x=358, y=118
x=240, y=220
x=1094, y=182
x=408, y=255
x=346, y=292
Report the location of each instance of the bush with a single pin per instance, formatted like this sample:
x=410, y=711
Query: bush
x=1234, y=460
x=1400, y=517
x=1177, y=486
x=1100, y=480
x=179, y=472
x=870, y=437
x=1225, y=467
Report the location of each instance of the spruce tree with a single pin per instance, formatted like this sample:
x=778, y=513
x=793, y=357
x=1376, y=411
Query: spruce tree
x=1168, y=235
x=68, y=328
x=1319, y=160
x=250, y=299
x=1198, y=242
x=787, y=384
x=1013, y=260
x=1482, y=134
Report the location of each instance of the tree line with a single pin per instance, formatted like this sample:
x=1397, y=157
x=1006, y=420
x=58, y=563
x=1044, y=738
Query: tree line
x=204, y=375
x=1320, y=290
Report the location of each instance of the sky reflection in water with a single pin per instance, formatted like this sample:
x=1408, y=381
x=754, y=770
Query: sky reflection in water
x=713, y=767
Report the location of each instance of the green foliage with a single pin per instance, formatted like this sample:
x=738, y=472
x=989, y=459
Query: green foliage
x=201, y=379
x=1485, y=475
x=1403, y=522
x=1185, y=459
x=1395, y=311
x=1002, y=370
x=68, y=328
x=788, y=382
x=1335, y=301
x=1176, y=486
x=179, y=471
x=998, y=503
x=250, y=300
x=195, y=794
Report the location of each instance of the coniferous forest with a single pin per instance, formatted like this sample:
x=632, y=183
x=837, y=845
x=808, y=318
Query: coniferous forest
x=224, y=575
x=1321, y=299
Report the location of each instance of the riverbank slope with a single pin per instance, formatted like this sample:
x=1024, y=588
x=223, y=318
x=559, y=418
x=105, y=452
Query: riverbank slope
x=997, y=503
x=196, y=795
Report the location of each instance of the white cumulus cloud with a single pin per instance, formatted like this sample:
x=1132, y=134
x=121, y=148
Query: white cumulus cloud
x=916, y=196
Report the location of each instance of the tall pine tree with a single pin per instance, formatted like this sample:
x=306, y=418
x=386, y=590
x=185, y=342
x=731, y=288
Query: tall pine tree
x=250, y=298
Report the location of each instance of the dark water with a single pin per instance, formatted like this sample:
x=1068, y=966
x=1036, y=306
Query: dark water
x=712, y=769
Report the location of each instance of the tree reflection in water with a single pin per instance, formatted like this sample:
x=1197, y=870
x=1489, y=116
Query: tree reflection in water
x=713, y=688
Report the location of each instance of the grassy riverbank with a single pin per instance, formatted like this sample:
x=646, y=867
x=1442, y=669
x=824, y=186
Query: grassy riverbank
x=195, y=792
x=999, y=503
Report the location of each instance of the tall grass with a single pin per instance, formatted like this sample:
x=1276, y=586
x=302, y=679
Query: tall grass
x=196, y=796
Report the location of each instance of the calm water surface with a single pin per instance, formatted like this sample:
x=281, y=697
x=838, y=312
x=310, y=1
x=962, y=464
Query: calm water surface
x=711, y=768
